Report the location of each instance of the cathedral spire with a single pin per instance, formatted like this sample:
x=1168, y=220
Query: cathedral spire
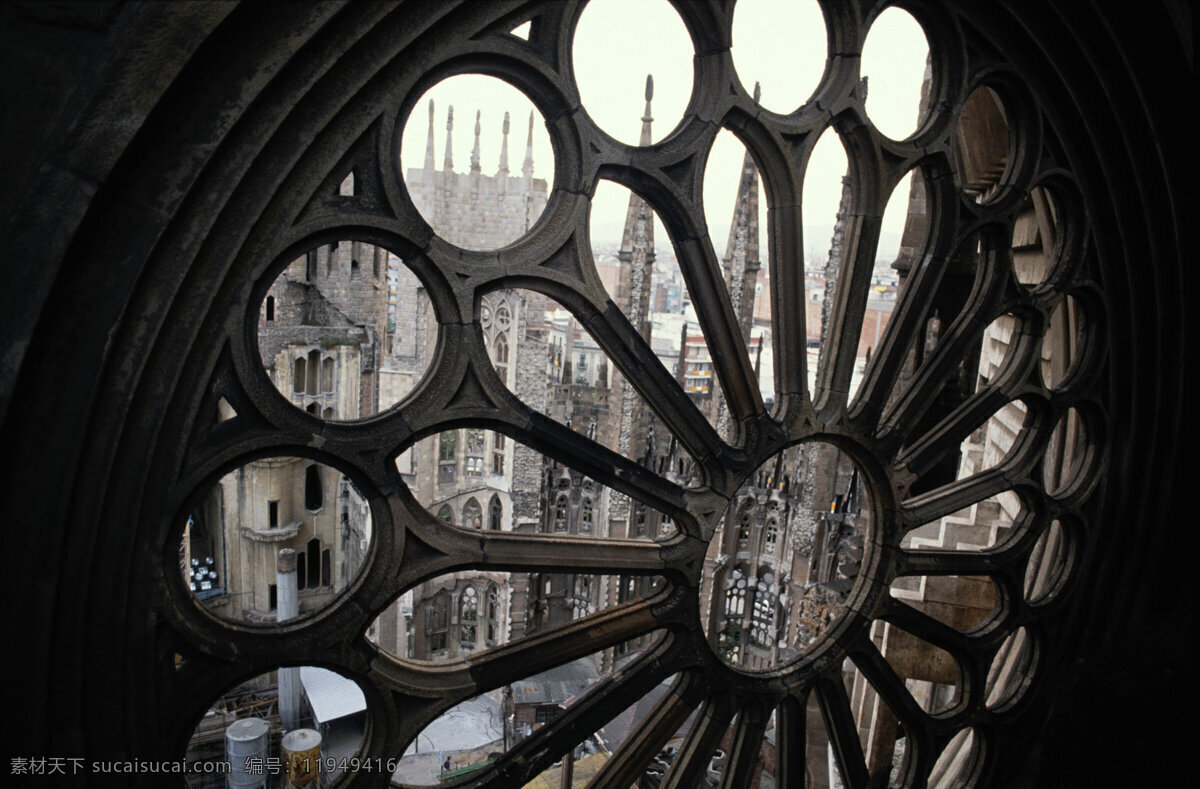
x=646, y=116
x=475, y=151
x=638, y=218
x=634, y=293
x=527, y=166
x=429, y=142
x=527, y=175
x=448, y=161
x=503, y=171
x=637, y=243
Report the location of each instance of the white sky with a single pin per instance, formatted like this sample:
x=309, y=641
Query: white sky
x=780, y=43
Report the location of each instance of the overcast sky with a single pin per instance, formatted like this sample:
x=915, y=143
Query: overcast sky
x=779, y=43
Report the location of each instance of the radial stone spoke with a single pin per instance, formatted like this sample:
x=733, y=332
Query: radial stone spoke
x=903, y=328
x=602, y=702
x=722, y=330
x=843, y=734
x=926, y=628
x=948, y=435
x=791, y=740
x=887, y=684
x=467, y=549
x=697, y=750
x=746, y=746
x=833, y=384
x=949, y=353
x=629, y=763
x=951, y=498
x=950, y=563
x=788, y=305
x=639, y=365
x=533, y=553
x=602, y=464
x=527, y=656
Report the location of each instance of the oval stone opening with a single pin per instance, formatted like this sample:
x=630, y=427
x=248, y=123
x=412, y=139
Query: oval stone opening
x=786, y=556
x=275, y=539
x=342, y=331
x=654, y=65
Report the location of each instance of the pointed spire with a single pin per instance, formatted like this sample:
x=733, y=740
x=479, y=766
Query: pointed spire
x=475, y=150
x=646, y=116
x=757, y=91
x=429, y=142
x=639, y=221
x=527, y=165
x=634, y=280
x=448, y=161
x=503, y=171
x=638, y=218
x=837, y=252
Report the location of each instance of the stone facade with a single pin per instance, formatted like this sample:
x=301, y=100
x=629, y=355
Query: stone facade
x=473, y=210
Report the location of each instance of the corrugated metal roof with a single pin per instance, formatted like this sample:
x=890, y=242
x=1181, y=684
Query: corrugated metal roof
x=331, y=695
x=556, y=685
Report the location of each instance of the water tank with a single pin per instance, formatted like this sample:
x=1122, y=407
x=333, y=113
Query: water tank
x=302, y=756
x=244, y=739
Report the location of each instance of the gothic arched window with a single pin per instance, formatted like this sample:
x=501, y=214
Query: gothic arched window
x=327, y=374
x=771, y=537
x=495, y=513
x=313, y=550
x=731, y=636
x=472, y=514
x=468, y=616
x=492, y=614
x=299, y=372
x=474, y=451
x=314, y=494
x=560, y=513
x=447, y=457
x=503, y=317
x=763, y=615
x=743, y=532
x=500, y=356
x=585, y=516
x=437, y=621
x=313, y=373
x=498, y=453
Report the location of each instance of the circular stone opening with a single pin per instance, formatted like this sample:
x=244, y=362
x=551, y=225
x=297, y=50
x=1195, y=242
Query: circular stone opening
x=275, y=539
x=339, y=330
x=786, y=557
x=477, y=161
